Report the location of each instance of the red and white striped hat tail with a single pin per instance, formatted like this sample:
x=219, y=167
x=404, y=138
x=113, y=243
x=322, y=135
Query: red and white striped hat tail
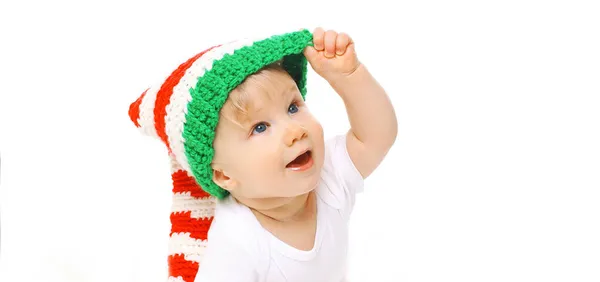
x=141, y=112
x=191, y=216
x=160, y=110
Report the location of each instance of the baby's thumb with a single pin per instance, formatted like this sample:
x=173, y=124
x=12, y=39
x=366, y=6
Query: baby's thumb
x=310, y=53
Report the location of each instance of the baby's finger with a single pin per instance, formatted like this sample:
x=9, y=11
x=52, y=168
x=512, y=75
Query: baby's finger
x=330, y=39
x=310, y=53
x=318, y=35
x=342, y=43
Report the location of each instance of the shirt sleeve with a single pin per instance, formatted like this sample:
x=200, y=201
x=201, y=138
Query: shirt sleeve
x=229, y=256
x=341, y=179
x=225, y=262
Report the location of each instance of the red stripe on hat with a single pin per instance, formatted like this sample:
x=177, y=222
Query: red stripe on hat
x=134, y=109
x=180, y=267
x=182, y=183
x=163, y=96
x=182, y=222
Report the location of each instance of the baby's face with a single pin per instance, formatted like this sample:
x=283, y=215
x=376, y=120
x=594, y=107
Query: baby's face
x=274, y=151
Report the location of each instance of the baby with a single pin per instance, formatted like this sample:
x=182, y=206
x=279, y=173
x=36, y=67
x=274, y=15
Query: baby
x=283, y=195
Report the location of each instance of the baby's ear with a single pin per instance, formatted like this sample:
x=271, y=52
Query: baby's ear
x=221, y=178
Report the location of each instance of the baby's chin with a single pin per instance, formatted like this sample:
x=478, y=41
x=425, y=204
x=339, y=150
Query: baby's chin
x=291, y=195
x=302, y=192
x=267, y=202
x=282, y=193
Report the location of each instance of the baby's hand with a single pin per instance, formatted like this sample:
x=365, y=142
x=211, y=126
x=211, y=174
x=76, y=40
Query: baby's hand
x=332, y=55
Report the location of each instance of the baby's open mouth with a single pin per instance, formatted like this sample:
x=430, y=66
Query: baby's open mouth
x=300, y=161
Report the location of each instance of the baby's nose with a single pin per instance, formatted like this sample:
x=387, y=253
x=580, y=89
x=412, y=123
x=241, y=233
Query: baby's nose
x=295, y=132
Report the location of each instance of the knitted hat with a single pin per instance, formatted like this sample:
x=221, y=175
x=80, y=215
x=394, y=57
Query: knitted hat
x=183, y=111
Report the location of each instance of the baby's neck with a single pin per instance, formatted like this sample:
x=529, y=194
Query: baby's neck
x=295, y=210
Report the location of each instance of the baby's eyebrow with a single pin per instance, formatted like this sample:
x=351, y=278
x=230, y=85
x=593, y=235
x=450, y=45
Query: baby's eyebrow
x=292, y=90
x=254, y=109
x=246, y=119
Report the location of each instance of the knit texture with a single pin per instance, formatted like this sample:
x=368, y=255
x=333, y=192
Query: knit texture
x=182, y=111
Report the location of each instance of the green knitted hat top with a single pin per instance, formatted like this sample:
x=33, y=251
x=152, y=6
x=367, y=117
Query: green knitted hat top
x=183, y=110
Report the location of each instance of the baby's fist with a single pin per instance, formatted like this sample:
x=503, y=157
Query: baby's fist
x=332, y=55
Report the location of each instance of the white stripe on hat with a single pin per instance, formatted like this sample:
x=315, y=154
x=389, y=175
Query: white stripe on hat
x=182, y=243
x=177, y=107
x=175, y=279
x=199, y=207
x=146, y=120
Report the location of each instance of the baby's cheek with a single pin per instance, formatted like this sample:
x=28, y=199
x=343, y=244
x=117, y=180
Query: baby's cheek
x=257, y=163
x=317, y=130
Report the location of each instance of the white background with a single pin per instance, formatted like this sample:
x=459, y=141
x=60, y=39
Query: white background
x=495, y=175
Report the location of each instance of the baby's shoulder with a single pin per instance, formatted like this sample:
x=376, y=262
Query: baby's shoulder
x=232, y=220
x=232, y=244
x=235, y=224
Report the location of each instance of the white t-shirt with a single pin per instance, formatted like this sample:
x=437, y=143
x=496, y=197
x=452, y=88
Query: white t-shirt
x=240, y=250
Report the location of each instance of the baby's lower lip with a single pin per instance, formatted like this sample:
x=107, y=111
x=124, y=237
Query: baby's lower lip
x=305, y=166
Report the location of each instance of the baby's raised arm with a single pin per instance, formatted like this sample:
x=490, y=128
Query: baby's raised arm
x=371, y=115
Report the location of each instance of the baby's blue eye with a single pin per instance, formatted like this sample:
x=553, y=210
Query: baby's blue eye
x=260, y=128
x=293, y=108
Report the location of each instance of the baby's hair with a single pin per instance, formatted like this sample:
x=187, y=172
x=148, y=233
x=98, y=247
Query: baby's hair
x=237, y=105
